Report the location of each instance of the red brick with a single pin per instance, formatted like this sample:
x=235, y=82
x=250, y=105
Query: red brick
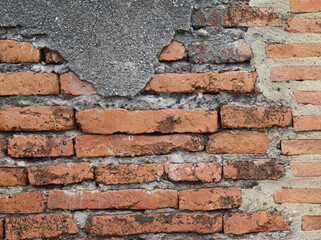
x=310, y=223
x=60, y=174
x=154, y=223
x=128, y=173
x=240, y=223
x=12, y=51
x=192, y=172
x=2, y=147
x=308, y=97
x=1, y=228
x=236, y=16
x=28, y=83
x=111, y=121
x=53, y=57
x=40, y=226
x=230, y=143
x=37, y=118
x=214, y=52
x=71, y=84
x=38, y=146
x=13, y=177
x=255, y=117
x=307, y=123
x=173, y=52
x=301, y=146
x=304, y=25
x=28, y=202
x=209, y=199
x=211, y=82
x=300, y=6
x=295, y=73
x=253, y=169
x=312, y=169
x=297, y=50
x=123, y=199
x=298, y=195
x=124, y=145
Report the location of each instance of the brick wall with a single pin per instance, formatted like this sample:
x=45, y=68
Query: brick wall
x=222, y=143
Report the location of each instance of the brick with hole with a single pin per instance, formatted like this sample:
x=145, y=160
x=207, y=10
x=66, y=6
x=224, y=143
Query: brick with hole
x=12, y=51
x=39, y=146
x=10, y=177
x=235, y=16
x=40, y=226
x=128, y=145
x=173, y=52
x=302, y=6
x=29, y=83
x=311, y=222
x=233, y=116
x=307, y=123
x=295, y=73
x=37, y=118
x=28, y=202
x=123, y=199
x=210, y=82
x=298, y=195
x=309, y=169
x=71, y=84
x=64, y=173
x=193, y=172
x=252, y=169
x=304, y=25
x=209, y=199
x=131, y=224
x=262, y=221
x=230, y=143
x=300, y=147
x=128, y=173
x=295, y=50
x=308, y=97
x=111, y=121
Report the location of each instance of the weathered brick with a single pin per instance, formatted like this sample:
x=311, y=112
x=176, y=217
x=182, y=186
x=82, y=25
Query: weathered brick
x=37, y=118
x=298, y=195
x=60, y=174
x=173, y=52
x=296, y=50
x=28, y=83
x=230, y=143
x=210, y=82
x=235, y=16
x=301, y=146
x=1, y=228
x=214, y=52
x=192, y=172
x=128, y=173
x=300, y=6
x=111, y=121
x=308, y=97
x=12, y=51
x=295, y=73
x=38, y=146
x=254, y=169
x=304, y=25
x=312, y=169
x=40, y=226
x=241, y=223
x=28, y=202
x=255, y=117
x=154, y=223
x=52, y=57
x=3, y=147
x=124, y=145
x=210, y=199
x=71, y=84
x=123, y=199
x=310, y=223
x=307, y=123
x=13, y=177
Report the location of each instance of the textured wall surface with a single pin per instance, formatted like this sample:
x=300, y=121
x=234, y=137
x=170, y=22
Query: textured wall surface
x=160, y=119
